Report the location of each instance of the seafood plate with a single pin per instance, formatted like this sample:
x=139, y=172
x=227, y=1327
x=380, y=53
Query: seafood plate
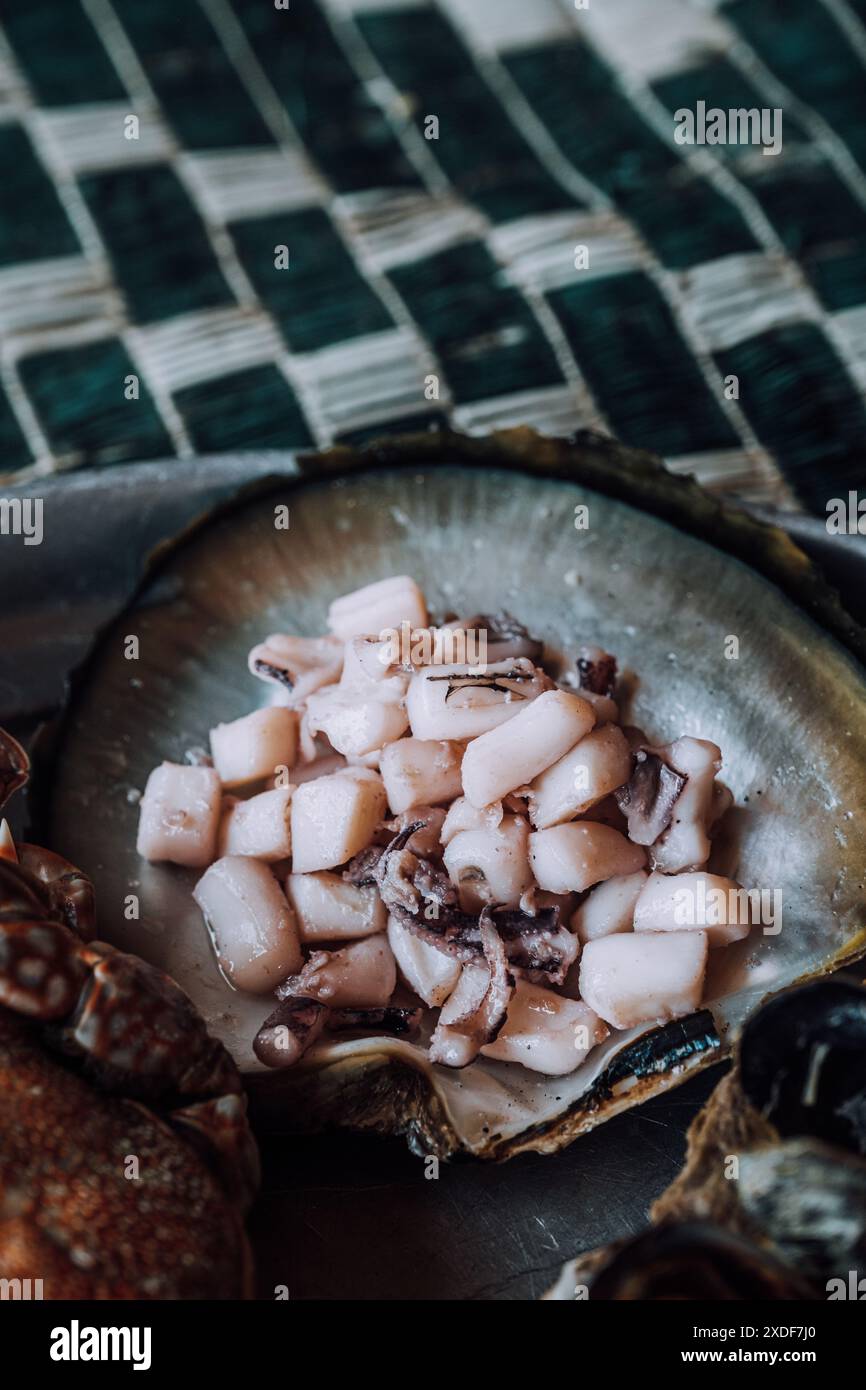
x=417, y=981
x=469, y=838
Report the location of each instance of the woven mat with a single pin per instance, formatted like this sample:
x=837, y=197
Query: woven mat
x=230, y=224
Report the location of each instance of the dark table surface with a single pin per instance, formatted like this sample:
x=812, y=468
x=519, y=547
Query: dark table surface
x=341, y=1216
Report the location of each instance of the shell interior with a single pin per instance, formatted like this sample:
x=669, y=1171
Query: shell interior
x=789, y=714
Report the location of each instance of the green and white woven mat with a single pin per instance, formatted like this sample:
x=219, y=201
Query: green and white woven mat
x=246, y=223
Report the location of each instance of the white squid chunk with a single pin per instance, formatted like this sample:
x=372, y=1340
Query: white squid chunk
x=320, y=767
x=377, y=608
x=252, y=927
x=334, y=817
x=645, y=977
x=179, y=815
x=462, y=815
x=431, y=973
x=296, y=666
x=255, y=746
x=599, y=764
x=368, y=663
x=681, y=902
x=509, y=756
x=571, y=858
x=260, y=827
x=329, y=909
x=606, y=709
x=421, y=772
x=356, y=724
x=360, y=976
x=490, y=865
x=686, y=843
x=450, y=1045
x=546, y=1032
x=462, y=702
x=609, y=908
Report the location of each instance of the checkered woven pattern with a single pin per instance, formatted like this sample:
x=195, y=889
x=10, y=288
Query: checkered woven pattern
x=233, y=223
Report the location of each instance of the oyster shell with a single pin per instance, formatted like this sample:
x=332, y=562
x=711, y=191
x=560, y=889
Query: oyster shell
x=485, y=524
x=774, y=1184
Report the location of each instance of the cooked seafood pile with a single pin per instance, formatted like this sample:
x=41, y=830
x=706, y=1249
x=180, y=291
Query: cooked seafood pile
x=426, y=834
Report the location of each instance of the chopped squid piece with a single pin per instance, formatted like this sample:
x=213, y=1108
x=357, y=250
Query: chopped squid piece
x=546, y=1032
x=252, y=927
x=503, y=635
x=362, y=975
x=645, y=977
x=426, y=823
x=393, y=1018
x=7, y=844
x=571, y=858
x=428, y=971
x=682, y=902
x=462, y=702
x=335, y=817
x=368, y=665
x=462, y=815
x=509, y=756
x=475, y=1012
x=286, y=1034
x=256, y=746
x=377, y=608
x=409, y=882
x=419, y=771
x=179, y=815
x=536, y=945
x=598, y=764
x=606, y=709
x=355, y=725
x=649, y=797
x=369, y=760
x=609, y=908
x=490, y=865
x=720, y=803
x=260, y=827
x=596, y=669
x=686, y=843
x=606, y=812
x=319, y=767
x=330, y=909
x=297, y=665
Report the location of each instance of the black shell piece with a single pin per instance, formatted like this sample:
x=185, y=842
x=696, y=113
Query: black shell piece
x=803, y=1063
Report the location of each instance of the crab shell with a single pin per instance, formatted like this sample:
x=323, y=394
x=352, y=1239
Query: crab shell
x=101, y=1195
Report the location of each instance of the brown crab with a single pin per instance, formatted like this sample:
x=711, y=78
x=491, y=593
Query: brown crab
x=126, y=1159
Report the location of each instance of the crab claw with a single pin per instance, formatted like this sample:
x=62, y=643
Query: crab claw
x=69, y=890
x=142, y=1033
